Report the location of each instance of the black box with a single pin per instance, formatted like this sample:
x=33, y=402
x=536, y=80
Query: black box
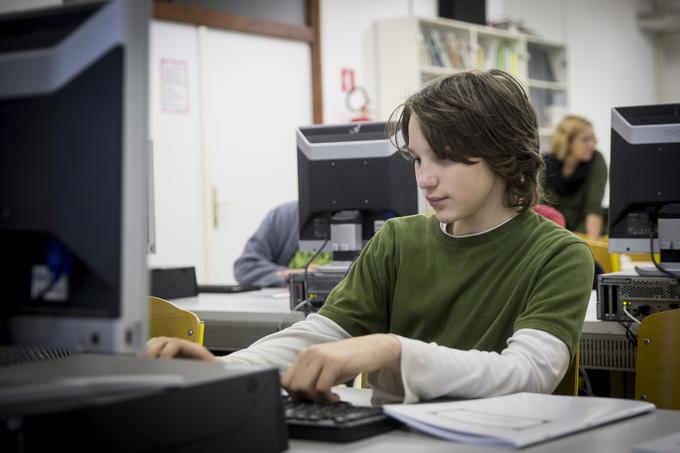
x=172, y=283
x=216, y=409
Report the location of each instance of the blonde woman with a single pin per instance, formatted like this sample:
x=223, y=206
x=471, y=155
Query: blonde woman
x=575, y=176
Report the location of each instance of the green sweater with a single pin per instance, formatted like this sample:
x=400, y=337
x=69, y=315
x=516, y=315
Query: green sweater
x=586, y=200
x=414, y=280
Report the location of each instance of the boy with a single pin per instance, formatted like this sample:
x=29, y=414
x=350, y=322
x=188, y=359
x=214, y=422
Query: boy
x=483, y=298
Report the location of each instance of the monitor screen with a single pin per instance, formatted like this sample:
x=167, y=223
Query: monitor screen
x=73, y=176
x=351, y=179
x=644, y=188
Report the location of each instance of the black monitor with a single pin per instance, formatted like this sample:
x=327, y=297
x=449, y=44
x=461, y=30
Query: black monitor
x=73, y=175
x=351, y=179
x=644, y=206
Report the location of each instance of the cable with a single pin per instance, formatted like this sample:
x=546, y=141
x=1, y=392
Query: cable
x=305, y=302
x=586, y=381
x=305, y=279
x=625, y=310
x=630, y=336
x=652, y=222
x=295, y=308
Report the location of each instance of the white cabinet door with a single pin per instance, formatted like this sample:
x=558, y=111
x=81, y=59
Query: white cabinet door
x=255, y=92
x=176, y=146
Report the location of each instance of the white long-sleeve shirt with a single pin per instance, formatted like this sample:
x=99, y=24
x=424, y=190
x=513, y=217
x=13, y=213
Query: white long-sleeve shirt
x=534, y=361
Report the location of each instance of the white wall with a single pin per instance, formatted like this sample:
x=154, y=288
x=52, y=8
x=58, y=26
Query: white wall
x=610, y=61
x=177, y=142
x=669, y=68
x=347, y=41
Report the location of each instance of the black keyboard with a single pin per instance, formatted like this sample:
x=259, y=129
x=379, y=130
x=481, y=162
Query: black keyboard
x=227, y=288
x=16, y=354
x=334, y=422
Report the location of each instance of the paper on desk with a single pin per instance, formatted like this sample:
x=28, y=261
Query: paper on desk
x=514, y=420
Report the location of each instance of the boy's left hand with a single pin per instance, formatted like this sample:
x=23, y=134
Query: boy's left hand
x=320, y=367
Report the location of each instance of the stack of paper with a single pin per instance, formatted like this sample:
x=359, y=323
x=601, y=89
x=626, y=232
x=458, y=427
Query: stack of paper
x=515, y=420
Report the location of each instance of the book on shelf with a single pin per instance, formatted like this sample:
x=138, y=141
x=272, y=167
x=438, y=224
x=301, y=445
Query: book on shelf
x=433, y=53
x=456, y=48
x=516, y=420
x=540, y=64
x=440, y=47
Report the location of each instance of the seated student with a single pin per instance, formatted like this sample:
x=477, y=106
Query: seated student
x=485, y=297
x=576, y=174
x=271, y=254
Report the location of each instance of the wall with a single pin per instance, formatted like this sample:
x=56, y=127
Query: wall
x=669, y=68
x=611, y=62
x=347, y=41
x=177, y=142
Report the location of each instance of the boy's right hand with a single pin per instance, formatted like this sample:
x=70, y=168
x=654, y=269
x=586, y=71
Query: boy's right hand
x=167, y=348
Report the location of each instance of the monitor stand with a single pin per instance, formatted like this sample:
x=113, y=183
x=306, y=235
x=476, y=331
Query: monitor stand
x=651, y=271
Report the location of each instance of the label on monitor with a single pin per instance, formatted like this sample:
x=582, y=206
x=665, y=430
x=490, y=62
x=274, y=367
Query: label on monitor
x=43, y=287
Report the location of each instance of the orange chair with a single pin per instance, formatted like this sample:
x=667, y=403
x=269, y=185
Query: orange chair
x=610, y=262
x=569, y=383
x=657, y=369
x=168, y=320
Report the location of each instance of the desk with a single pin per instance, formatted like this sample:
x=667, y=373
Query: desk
x=234, y=321
x=604, y=344
x=617, y=437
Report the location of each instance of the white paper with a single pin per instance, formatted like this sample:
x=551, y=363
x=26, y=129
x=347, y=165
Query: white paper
x=174, y=86
x=516, y=420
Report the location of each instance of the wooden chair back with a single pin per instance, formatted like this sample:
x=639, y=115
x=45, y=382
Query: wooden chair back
x=168, y=320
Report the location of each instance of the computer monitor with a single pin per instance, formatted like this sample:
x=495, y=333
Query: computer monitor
x=351, y=179
x=73, y=176
x=644, y=206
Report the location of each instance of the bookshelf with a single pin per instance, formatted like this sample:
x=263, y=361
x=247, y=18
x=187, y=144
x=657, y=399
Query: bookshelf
x=411, y=51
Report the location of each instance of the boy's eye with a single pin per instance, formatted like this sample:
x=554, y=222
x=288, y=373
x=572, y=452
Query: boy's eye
x=406, y=154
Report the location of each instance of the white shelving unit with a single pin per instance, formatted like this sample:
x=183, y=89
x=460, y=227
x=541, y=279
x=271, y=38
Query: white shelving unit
x=412, y=51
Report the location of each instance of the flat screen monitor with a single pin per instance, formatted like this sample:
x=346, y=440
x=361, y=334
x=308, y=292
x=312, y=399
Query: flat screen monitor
x=644, y=206
x=73, y=176
x=351, y=179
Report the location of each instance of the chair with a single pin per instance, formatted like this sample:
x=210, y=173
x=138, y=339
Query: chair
x=657, y=374
x=569, y=383
x=600, y=249
x=168, y=320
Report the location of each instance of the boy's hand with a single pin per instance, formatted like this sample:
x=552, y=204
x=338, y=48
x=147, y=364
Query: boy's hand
x=320, y=367
x=167, y=348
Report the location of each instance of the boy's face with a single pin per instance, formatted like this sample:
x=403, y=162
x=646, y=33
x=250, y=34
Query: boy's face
x=470, y=196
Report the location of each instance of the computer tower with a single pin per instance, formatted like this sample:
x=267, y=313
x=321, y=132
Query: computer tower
x=214, y=409
x=314, y=287
x=640, y=295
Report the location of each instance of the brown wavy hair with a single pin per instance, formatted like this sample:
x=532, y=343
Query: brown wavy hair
x=565, y=132
x=483, y=115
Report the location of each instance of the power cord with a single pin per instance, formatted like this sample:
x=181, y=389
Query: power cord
x=588, y=390
x=306, y=275
x=625, y=305
x=630, y=336
x=654, y=222
x=305, y=302
x=289, y=316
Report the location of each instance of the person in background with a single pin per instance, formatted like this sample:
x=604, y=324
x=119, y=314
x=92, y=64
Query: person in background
x=484, y=297
x=575, y=176
x=271, y=254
